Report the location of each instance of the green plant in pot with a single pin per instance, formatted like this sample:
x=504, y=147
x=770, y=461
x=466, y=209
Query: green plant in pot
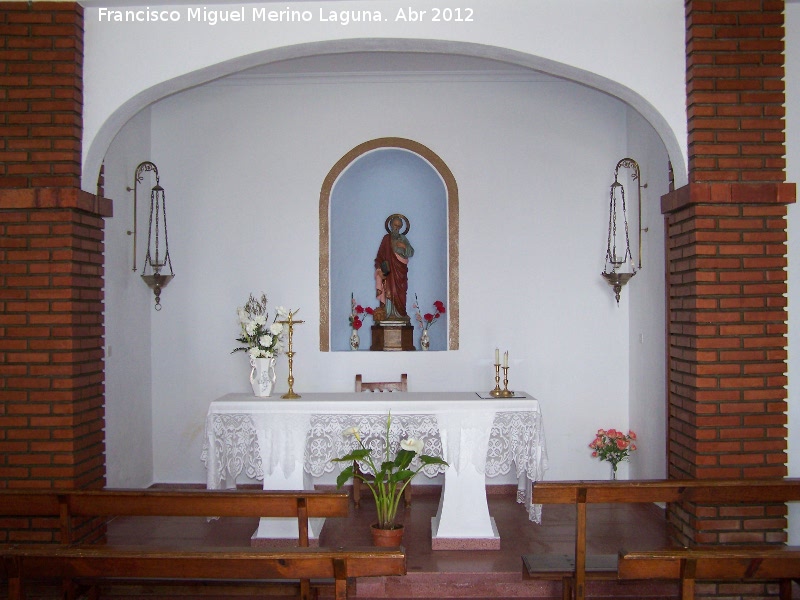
x=390, y=477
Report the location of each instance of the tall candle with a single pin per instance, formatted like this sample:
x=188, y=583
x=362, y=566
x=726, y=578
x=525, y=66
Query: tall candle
x=497, y=356
x=505, y=359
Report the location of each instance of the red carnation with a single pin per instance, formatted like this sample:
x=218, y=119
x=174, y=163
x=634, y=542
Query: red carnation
x=439, y=306
x=369, y=310
x=357, y=322
x=428, y=317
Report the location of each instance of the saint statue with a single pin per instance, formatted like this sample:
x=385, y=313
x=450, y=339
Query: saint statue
x=391, y=269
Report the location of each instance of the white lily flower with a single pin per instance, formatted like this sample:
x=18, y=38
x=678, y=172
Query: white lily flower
x=412, y=445
x=276, y=329
x=352, y=431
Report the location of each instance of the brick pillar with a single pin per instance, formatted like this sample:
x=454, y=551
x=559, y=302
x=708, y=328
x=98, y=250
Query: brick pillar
x=51, y=263
x=726, y=279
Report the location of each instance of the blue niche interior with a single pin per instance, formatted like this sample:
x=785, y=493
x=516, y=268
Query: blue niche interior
x=374, y=186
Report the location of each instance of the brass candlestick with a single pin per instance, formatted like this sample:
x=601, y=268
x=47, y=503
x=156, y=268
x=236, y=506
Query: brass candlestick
x=291, y=323
x=496, y=392
x=505, y=393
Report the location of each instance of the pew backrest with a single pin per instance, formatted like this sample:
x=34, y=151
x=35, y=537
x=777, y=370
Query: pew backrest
x=72, y=504
x=717, y=563
x=717, y=491
x=108, y=562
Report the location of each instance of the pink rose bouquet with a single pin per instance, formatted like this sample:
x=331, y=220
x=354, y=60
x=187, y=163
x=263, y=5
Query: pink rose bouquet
x=613, y=446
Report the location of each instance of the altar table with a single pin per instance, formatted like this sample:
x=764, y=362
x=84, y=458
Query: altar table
x=288, y=442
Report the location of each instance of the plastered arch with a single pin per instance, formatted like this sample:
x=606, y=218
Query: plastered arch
x=452, y=231
x=97, y=146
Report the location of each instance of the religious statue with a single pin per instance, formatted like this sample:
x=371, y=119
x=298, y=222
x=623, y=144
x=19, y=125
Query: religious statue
x=391, y=270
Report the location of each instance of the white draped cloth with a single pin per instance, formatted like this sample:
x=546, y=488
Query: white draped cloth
x=254, y=436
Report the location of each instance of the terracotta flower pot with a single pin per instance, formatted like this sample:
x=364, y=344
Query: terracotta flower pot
x=387, y=537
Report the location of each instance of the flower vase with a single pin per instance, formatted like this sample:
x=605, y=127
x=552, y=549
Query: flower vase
x=262, y=376
x=613, y=471
x=355, y=341
x=387, y=537
x=424, y=340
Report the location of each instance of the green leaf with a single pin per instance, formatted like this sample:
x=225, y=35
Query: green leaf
x=359, y=454
x=403, y=458
x=344, y=476
x=431, y=460
x=402, y=475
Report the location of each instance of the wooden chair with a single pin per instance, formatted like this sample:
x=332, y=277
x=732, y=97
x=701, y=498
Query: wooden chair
x=378, y=387
x=382, y=386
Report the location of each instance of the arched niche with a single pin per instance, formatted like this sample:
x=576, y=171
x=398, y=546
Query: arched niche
x=371, y=153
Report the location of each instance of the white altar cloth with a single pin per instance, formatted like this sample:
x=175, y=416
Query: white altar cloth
x=287, y=442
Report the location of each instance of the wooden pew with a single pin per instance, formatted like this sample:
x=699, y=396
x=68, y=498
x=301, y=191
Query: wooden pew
x=72, y=505
x=102, y=562
x=573, y=571
x=68, y=505
x=719, y=563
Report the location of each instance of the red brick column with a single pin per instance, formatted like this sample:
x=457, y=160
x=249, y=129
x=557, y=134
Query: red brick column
x=51, y=263
x=727, y=253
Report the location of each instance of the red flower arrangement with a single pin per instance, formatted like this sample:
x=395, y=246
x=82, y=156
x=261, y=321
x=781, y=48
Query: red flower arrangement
x=358, y=313
x=428, y=319
x=613, y=446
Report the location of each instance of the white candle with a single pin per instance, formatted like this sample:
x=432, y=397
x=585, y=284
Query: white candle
x=497, y=356
x=505, y=359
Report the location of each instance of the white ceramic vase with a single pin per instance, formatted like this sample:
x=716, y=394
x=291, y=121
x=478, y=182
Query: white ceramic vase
x=424, y=340
x=262, y=375
x=355, y=341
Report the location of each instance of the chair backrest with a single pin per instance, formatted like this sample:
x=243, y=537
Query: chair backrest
x=382, y=386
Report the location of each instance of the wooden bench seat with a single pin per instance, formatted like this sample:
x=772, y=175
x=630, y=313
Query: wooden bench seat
x=74, y=560
x=574, y=570
x=719, y=563
x=130, y=562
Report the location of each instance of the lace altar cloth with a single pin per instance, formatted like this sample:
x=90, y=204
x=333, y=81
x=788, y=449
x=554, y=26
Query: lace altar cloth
x=236, y=433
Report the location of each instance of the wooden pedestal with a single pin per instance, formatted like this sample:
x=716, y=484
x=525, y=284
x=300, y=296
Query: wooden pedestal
x=391, y=337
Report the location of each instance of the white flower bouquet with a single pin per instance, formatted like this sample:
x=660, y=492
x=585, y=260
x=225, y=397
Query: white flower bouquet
x=261, y=338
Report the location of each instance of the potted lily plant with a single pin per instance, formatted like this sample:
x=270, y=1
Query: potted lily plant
x=389, y=480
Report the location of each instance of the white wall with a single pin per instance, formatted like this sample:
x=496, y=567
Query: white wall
x=242, y=167
x=647, y=340
x=635, y=51
x=128, y=303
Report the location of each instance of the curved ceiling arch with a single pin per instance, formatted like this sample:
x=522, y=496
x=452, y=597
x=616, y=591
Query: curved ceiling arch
x=98, y=146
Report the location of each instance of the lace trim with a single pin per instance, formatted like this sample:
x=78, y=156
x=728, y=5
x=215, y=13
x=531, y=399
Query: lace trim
x=517, y=438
